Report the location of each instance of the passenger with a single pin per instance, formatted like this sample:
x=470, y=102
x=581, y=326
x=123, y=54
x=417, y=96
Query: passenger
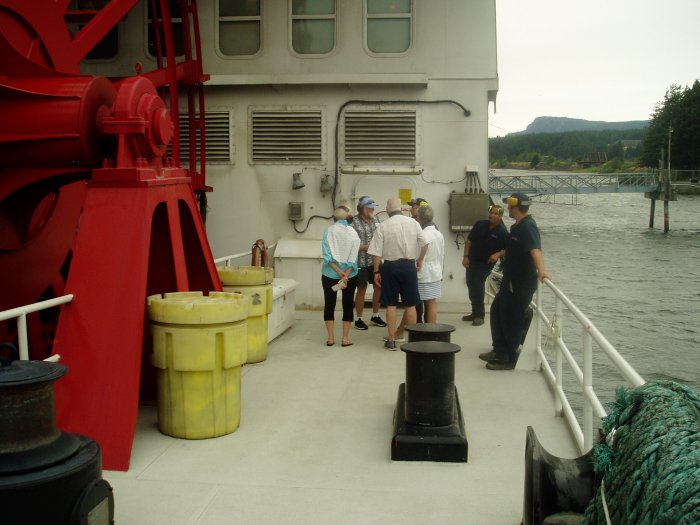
x=522, y=265
x=481, y=252
x=430, y=275
x=340, y=245
x=365, y=224
x=400, y=242
x=415, y=205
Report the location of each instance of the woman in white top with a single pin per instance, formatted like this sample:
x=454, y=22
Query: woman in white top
x=430, y=274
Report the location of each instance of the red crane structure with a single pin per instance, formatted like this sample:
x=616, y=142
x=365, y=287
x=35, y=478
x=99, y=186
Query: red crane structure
x=90, y=204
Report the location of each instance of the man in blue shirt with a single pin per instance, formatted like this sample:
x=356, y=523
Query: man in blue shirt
x=523, y=264
x=482, y=250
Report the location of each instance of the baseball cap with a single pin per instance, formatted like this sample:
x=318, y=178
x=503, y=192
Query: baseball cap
x=367, y=202
x=417, y=202
x=517, y=199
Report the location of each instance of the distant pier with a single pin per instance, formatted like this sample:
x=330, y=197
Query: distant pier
x=655, y=185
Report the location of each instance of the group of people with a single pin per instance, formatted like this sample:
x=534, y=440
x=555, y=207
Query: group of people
x=403, y=256
x=521, y=252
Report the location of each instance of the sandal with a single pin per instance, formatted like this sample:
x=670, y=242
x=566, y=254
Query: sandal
x=346, y=343
x=330, y=343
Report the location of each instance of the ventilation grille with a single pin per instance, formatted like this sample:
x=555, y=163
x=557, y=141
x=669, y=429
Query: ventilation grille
x=218, y=134
x=380, y=136
x=286, y=135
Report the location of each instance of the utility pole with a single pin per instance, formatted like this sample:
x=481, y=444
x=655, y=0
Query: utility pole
x=667, y=191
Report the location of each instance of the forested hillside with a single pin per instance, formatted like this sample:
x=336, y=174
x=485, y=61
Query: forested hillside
x=611, y=149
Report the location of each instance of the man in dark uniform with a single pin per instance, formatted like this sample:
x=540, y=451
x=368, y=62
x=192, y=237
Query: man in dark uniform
x=485, y=242
x=522, y=265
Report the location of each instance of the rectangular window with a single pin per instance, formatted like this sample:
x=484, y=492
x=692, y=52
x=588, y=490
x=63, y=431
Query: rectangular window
x=312, y=26
x=380, y=136
x=218, y=135
x=388, y=25
x=178, y=38
x=240, y=27
x=82, y=10
x=285, y=135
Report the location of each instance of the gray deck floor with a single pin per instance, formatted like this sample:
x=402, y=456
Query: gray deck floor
x=314, y=442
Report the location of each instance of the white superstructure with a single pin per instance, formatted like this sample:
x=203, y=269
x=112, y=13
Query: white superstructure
x=367, y=97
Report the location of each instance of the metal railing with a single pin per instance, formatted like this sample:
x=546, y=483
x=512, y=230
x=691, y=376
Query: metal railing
x=20, y=313
x=551, y=329
x=549, y=183
x=226, y=259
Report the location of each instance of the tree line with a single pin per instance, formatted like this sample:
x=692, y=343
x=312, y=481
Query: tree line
x=613, y=150
x=566, y=150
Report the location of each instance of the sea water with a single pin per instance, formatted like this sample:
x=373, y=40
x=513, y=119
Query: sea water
x=638, y=285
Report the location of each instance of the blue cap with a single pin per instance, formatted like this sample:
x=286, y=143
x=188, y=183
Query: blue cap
x=367, y=202
x=517, y=199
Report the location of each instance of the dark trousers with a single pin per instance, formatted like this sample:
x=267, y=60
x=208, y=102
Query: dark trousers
x=508, y=318
x=330, y=297
x=476, y=283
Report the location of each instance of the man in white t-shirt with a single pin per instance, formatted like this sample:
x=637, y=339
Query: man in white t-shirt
x=400, y=243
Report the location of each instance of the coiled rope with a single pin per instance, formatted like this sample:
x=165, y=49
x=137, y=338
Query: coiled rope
x=651, y=466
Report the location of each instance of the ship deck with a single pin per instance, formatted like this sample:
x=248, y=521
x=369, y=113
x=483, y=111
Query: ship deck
x=313, y=446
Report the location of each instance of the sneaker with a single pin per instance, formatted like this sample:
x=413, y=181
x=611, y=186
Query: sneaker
x=390, y=345
x=397, y=339
x=478, y=321
x=361, y=325
x=469, y=317
x=377, y=321
x=500, y=365
x=490, y=356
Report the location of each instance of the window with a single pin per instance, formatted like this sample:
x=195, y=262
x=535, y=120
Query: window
x=285, y=135
x=218, y=135
x=312, y=26
x=380, y=136
x=239, y=27
x=388, y=25
x=178, y=38
x=106, y=48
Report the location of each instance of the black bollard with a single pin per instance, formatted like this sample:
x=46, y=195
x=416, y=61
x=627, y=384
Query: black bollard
x=430, y=382
x=428, y=423
x=46, y=476
x=429, y=332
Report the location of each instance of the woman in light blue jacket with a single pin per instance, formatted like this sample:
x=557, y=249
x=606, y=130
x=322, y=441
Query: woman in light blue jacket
x=340, y=246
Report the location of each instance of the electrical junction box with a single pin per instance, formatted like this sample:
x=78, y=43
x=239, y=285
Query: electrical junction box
x=466, y=209
x=296, y=211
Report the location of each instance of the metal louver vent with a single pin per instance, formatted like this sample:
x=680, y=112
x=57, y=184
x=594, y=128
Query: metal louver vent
x=218, y=134
x=380, y=136
x=286, y=135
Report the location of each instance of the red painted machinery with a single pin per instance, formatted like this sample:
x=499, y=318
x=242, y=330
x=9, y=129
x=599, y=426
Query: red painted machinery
x=89, y=203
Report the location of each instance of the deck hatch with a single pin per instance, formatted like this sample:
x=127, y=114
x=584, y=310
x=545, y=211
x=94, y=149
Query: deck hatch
x=380, y=136
x=286, y=135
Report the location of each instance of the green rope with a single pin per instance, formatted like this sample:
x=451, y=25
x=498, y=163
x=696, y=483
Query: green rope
x=652, y=466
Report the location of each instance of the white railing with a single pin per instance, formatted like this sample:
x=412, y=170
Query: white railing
x=226, y=260
x=20, y=313
x=551, y=329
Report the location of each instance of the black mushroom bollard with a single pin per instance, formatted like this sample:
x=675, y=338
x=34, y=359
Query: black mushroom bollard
x=429, y=332
x=46, y=476
x=428, y=423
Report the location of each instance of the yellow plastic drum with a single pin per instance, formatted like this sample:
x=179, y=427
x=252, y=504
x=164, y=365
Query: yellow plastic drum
x=199, y=345
x=245, y=275
x=256, y=283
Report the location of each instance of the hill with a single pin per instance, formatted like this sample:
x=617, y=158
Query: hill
x=565, y=124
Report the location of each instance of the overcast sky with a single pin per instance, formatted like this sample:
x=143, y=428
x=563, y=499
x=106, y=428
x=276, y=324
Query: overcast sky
x=609, y=60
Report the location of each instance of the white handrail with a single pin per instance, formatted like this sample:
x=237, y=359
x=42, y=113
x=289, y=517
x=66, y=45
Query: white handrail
x=553, y=329
x=21, y=314
x=226, y=259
